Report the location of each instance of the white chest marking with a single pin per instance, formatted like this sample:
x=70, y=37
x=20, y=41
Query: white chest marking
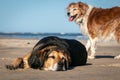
x=84, y=19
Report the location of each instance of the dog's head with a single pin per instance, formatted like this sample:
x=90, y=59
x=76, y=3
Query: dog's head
x=76, y=10
x=53, y=58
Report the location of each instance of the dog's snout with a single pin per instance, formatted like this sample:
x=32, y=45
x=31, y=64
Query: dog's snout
x=61, y=62
x=62, y=66
x=68, y=14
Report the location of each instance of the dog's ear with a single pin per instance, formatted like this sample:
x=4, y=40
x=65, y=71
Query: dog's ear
x=83, y=7
x=42, y=56
x=68, y=59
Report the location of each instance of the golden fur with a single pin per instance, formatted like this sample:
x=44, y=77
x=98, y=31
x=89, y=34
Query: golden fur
x=96, y=23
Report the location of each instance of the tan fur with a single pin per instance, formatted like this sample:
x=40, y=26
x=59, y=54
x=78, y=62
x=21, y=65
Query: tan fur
x=16, y=62
x=25, y=60
x=53, y=58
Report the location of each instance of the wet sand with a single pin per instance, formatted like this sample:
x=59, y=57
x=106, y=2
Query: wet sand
x=104, y=67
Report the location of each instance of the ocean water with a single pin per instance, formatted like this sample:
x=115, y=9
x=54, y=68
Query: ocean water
x=42, y=35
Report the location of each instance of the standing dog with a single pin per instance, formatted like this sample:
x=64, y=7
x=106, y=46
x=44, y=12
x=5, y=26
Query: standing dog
x=54, y=54
x=96, y=23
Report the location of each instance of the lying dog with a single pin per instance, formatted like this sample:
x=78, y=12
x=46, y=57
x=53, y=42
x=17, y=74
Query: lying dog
x=96, y=23
x=52, y=53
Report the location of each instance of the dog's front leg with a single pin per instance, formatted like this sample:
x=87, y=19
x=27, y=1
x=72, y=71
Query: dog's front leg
x=88, y=45
x=117, y=57
x=91, y=47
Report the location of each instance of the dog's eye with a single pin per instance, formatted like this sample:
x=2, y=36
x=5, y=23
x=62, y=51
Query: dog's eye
x=53, y=57
x=74, y=9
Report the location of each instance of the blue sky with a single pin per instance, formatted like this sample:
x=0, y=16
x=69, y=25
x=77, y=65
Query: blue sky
x=42, y=15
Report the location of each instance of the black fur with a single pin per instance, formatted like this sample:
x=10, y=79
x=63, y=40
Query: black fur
x=72, y=48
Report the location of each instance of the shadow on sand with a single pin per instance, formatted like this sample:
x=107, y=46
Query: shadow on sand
x=104, y=56
x=72, y=67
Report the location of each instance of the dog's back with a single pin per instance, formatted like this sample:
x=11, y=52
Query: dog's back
x=77, y=51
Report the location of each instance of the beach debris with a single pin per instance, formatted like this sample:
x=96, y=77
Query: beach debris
x=28, y=42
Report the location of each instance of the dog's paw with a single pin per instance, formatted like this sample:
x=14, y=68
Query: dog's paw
x=91, y=57
x=11, y=67
x=117, y=57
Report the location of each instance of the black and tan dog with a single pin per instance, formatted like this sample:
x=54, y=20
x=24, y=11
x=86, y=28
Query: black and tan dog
x=52, y=53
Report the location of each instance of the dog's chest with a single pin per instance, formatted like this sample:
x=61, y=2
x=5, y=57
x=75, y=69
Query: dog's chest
x=83, y=25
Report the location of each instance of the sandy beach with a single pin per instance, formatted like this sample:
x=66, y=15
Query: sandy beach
x=104, y=67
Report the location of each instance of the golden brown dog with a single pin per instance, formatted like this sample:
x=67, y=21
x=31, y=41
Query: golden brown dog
x=52, y=53
x=96, y=23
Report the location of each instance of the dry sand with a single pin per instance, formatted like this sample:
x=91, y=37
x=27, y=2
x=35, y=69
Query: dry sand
x=104, y=67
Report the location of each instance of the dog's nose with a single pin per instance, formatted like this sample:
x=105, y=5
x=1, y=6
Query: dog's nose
x=61, y=63
x=68, y=14
x=62, y=66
